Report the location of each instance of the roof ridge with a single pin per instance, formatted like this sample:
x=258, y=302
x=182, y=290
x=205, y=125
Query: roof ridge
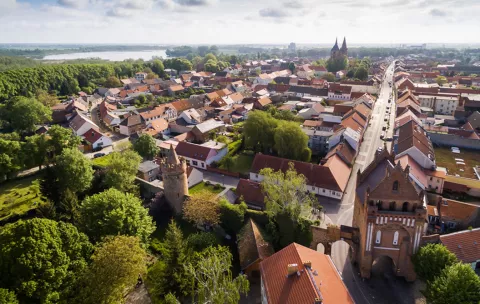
x=315, y=288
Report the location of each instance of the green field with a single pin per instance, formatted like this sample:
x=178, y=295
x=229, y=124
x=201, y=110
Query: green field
x=19, y=196
x=445, y=158
x=202, y=187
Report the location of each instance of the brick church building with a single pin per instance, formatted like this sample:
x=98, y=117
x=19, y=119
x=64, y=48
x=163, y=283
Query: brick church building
x=390, y=213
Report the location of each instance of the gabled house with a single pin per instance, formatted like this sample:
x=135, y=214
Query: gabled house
x=81, y=124
x=97, y=140
x=191, y=116
x=252, y=194
x=339, y=92
x=412, y=139
x=175, y=89
x=261, y=103
x=328, y=180
x=351, y=136
x=131, y=125
x=166, y=112
x=157, y=127
x=201, y=156
x=148, y=170
x=312, y=111
x=202, y=130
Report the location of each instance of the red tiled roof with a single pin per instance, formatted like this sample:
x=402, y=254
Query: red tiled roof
x=464, y=244
x=412, y=135
x=458, y=211
x=328, y=177
x=344, y=89
x=92, y=136
x=251, y=192
x=192, y=151
x=321, y=280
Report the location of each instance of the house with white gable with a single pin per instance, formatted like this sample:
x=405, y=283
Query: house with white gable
x=81, y=124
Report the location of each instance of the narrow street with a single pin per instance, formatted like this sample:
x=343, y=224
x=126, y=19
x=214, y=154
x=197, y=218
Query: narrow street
x=344, y=213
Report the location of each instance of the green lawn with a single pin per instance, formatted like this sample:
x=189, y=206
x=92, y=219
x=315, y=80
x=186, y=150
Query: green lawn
x=242, y=163
x=102, y=161
x=19, y=196
x=445, y=158
x=202, y=187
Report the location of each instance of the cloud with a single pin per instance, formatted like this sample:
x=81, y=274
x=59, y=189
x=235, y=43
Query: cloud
x=193, y=2
x=437, y=13
x=396, y=3
x=120, y=12
x=272, y=13
x=293, y=4
x=73, y=3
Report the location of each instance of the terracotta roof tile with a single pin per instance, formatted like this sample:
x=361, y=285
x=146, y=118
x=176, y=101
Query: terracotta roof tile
x=251, y=192
x=192, y=151
x=92, y=136
x=320, y=281
x=464, y=244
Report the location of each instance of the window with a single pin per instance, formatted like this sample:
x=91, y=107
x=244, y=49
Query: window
x=203, y=165
x=405, y=207
x=194, y=162
x=323, y=190
x=395, y=238
x=395, y=186
x=379, y=237
x=392, y=206
x=431, y=178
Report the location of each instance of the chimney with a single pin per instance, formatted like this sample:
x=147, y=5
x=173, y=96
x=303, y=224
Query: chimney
x=292, y=269
x=307, y=264
x=318, y=301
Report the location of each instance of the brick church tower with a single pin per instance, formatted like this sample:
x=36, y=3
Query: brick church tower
x=390, y=213
x=175, y=182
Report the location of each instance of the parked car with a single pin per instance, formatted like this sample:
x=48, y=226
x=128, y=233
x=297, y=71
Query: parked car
x=384, y=128
x=389, y=139
x=97, y=155
x=382, y=136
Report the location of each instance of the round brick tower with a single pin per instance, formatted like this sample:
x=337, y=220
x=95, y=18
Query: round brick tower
x=175, y=182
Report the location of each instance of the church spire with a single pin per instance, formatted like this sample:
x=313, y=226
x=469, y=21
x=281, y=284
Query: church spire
x=344, y=44
x=335, y=47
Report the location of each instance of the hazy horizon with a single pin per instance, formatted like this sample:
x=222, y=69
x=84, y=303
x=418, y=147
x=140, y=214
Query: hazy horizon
x=239, y=22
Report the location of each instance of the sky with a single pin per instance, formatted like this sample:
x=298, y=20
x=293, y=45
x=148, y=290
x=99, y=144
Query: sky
x=239, y=21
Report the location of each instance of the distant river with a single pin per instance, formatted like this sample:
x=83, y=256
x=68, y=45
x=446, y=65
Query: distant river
x=113, y=56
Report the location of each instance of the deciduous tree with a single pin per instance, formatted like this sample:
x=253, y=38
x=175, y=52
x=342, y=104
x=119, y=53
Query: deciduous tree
x=40, y=259
x=116, y=264
x=285, y=191
x=112, y=213
x=146, y=146
x=431, y=260
x=202, y=209
x=7, y=297
x=361, y=73
x=22, y=114
x=36, y=150
x=214, y=280
x=290, y=141
x=232, y=216
x=112, y=82
x=62, y=138
x=264, y=140
x=73, y=170
x=122, y=170
x=456, y=284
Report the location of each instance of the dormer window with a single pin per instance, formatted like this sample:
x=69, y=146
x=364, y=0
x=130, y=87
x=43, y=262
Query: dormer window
x=395, y=186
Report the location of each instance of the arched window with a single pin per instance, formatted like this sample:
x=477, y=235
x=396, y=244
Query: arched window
x=392, y=206
x=395, y=186
x=395, y=238
x=405, y=207
x=379, y=237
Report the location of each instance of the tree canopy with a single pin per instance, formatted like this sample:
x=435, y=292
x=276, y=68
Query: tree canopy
x=112, y=82
x=116, y=264
x=431, y=260
x=40, y=259
x=73, y=170
x=122, y=170
x=112, y=213
x=202, y=209
x=146, y=146
x=23, y=114
x=7, y=297
x=214, y=282
x=291, y=142
x=456, y=284
x=263, y=141
x=361, y=73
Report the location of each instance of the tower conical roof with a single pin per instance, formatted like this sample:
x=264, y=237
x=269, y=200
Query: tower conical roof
x=172, y=156
x=344, y=44
x=335, y=47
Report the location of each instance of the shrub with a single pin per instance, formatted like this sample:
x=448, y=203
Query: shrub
x=232, y=216
x=260, y=217
x=208, y=183
x=217, y=187
x=234, y=147
x=202, y=240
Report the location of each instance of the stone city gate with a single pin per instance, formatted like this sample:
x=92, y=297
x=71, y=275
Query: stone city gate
x=332, y=234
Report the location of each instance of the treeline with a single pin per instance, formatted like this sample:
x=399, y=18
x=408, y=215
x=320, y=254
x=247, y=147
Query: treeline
x=62, y=79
